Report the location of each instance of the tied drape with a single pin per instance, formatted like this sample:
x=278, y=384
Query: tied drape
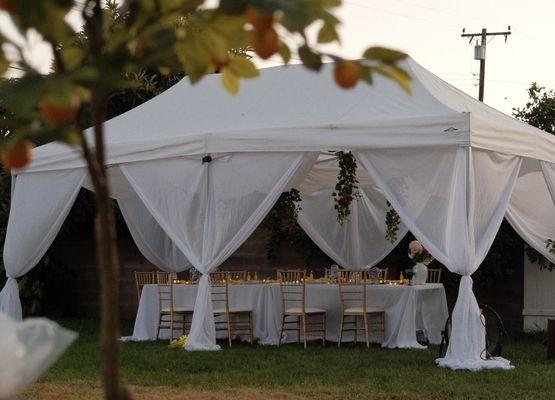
x=453, y=200
x=40, y=203
x=208, y=207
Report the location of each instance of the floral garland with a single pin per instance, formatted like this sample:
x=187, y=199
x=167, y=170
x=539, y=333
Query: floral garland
x=346, y=189
x=392, y=221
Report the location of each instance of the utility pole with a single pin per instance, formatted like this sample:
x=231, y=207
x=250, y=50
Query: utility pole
x=480, y=52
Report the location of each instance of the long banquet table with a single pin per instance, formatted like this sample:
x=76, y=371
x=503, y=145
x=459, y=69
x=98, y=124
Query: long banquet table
x=407, y=310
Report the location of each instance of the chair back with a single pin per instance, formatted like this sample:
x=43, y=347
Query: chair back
x=163, y=277
x=165, y=297
x=143, y=278
x=238, y=275
x=292, y=289
x=219, y=290
x=383, y=274
x=434, y=275
x=352, y=288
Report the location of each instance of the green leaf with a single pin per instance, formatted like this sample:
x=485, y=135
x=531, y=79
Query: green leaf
x=214, y=44
x=310, y=59
x=327, y=33
x=73, y=57
x=394, y=75
x=233, y=7
x=47, y=17
x=366, y=74
x=4, y=63
x=284, y=52
x=243, y=68
x=331, y=3
x=230, y=81
x=384, y=55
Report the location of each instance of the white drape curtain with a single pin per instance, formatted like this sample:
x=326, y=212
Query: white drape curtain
x=360, y=241
x=150, y=238
x=208, y=209
x=40, y=203
x=531, y=211
x=548, y=170
x=453, y=200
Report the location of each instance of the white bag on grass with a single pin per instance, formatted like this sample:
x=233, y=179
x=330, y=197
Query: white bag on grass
x=27, y=349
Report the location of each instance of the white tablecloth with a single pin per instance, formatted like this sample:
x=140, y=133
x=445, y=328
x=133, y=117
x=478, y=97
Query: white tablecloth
x=407, y=309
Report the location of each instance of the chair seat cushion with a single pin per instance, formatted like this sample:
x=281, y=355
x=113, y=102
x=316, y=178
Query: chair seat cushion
x=360, y=310
x=167, y=310
x=221, y=311
x=307, y=310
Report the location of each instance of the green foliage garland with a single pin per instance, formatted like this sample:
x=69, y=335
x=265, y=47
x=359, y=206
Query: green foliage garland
x=346, y=188
x=282, y=227
x=392, y=221
x=281, y=220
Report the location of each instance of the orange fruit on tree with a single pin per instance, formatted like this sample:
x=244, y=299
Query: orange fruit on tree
x=18, y=156
x=346, y=74
x=260, y=22
x=56, y=115
x=7, y=5
x=265, y=43
x=219, y=64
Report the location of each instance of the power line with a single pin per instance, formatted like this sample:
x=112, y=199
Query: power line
x=366, y=6
x=442, y=11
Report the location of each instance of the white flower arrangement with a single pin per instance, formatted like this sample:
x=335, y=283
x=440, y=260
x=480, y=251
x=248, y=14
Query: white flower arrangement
x=419, y=254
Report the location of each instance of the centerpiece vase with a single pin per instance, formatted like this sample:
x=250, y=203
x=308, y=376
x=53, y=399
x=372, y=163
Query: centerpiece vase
x=420, y=276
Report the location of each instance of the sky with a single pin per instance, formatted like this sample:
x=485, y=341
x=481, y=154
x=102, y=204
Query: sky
x=429, y=31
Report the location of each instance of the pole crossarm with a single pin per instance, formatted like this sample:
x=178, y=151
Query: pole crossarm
x=482, y=54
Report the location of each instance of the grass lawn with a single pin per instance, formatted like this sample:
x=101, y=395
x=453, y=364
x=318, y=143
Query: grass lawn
x=255, y=372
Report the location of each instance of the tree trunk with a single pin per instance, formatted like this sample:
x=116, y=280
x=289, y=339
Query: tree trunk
x=108, y=268
x=107, y=258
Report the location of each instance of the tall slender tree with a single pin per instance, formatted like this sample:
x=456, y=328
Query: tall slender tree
x=167, y=36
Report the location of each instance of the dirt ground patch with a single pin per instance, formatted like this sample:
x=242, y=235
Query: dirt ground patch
x=93, y=391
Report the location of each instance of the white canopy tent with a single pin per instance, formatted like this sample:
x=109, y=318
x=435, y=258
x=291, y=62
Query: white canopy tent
x=451, y=166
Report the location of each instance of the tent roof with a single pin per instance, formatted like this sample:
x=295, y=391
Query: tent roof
x=290, y=108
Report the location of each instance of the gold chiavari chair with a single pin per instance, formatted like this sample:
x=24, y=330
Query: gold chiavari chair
x=238, y=275
x=163, y=277
x=143, y=278
x=383, y=274
x=434, y=275
x=179, y=317
x=352, y=293
x=293, y=305
x=237, y=321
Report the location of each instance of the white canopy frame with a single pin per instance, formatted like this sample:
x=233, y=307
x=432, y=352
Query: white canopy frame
x=446, y=162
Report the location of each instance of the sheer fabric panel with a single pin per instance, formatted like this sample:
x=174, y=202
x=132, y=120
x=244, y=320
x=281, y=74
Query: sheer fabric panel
x=453, y=200
x=209, y=208
x=360, y=241
x=40, y=203
x=531, y=212
x=151, y=240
